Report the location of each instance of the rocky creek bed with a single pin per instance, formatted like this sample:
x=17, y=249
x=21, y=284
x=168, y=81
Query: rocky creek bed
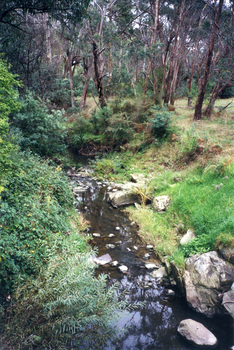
x=122, y=254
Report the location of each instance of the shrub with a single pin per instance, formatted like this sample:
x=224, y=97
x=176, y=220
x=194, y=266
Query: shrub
x=40, y=131
x=189, y=145
x=120, y=129
x=79, y=133
x=161, y=122
x=34, y=218
x=100, y=119
x=65, y=303
x=8, y=103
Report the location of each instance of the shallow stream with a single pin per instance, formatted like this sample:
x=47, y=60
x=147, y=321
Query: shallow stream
x=154, y=326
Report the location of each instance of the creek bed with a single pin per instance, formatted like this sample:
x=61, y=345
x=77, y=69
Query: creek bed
x=153, y=326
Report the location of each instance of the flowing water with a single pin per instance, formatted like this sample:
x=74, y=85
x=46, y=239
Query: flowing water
x=153, y=326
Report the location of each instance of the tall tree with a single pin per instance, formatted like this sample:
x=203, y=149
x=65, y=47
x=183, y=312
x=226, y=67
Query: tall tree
x=202, y=83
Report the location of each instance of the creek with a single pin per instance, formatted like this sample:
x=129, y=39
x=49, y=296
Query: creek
x=154, y=325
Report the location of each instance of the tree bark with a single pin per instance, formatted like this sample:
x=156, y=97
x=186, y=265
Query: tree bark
x=215, y=93
x=167, y=91
x=156, y=17
x=98, y=77
x=205, y=78
x=87, y=74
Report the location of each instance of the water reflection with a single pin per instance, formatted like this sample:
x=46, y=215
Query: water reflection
x=153, y=327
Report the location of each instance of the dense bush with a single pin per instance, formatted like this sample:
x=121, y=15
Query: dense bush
x=34, y=217
x=39, y=130
x=161, y=122
x=64, y=304
x=120, y=129
x=8, y=103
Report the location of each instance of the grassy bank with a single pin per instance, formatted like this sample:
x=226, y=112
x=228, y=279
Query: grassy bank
x=194, y=166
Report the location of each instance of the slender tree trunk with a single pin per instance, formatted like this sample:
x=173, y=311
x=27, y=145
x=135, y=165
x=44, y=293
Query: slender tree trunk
x=98, y=77
x=167, y=91
x=215, y=93
x=87, y=73
x=190, y=83
x=205, y=78
x=156, y=8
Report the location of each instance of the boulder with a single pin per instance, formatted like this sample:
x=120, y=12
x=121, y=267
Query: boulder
x=227, y=253
x=228, y=302
x=160, y=273
x=126, y=196
x=205, y=277
x=161, y=203
x=197, y=334
x=188, y=237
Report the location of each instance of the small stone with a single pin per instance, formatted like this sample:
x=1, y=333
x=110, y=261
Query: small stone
x=111, y=235
x=133, y=223
x=197, y=334
x=119, y=242
x=102, y=260
x=135, y=247
x=114, y=263
x=151, y=266
x=160, y=273
x=123, y=268
x=128, y=249
x=110, y=246
x=96, y=235
x=114, y=190
x=117, y=228
x=147, y=256
x=149, y=246
x=188, y=237
x=170, y=293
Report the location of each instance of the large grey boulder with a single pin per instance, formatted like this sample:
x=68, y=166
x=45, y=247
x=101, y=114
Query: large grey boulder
x=228, y=302
x=161, y=203
x=122, y=198
x=205, y=277
x=126, y=194
x=197, y=334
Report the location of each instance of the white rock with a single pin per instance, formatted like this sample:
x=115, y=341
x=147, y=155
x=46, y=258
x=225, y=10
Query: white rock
x=117, y=228
x=123, y=268
x=197, y=334
x=147, y=256
x=111, y=235
x=135, y=247
x=189, y=236
x=114, y=263
x=110, y=246
x=102, y=260
x=96, y=235
x=161, y=203
x=149, y=246
x=160, y=273
x=151, y=266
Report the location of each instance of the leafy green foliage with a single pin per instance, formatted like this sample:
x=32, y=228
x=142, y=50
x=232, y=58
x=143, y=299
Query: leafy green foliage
x=161, y=122
x=79, y=133
x=64, y=303
x=41, y=131
x=34, y=217
x=120, y=129
x=100, y=119
x=8, y=103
